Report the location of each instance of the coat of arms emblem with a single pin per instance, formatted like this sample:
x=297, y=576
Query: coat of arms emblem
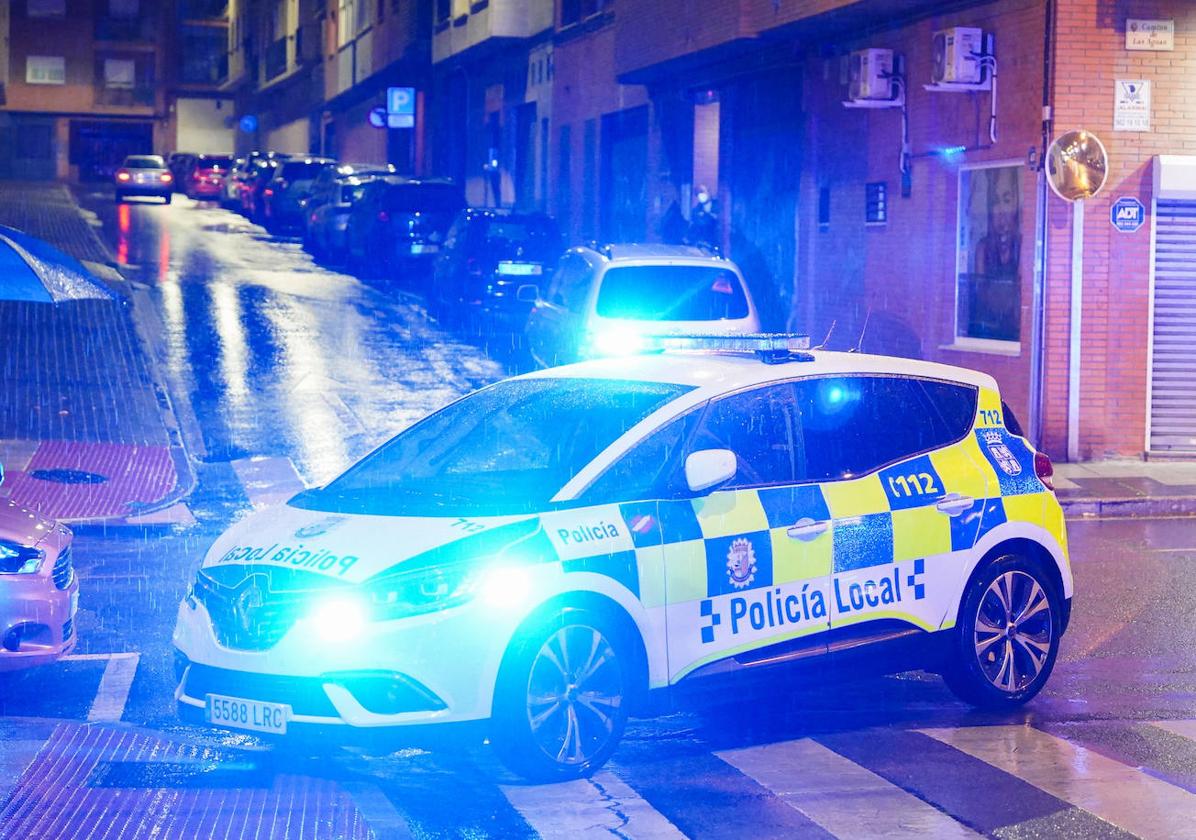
x=1001, y=453
x=741, y=563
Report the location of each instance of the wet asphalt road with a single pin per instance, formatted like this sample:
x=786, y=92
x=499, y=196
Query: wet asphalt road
x=283, y=372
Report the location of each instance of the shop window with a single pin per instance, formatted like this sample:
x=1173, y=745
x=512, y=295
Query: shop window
x=45, y=70
x=988, y=262
x=876, y=203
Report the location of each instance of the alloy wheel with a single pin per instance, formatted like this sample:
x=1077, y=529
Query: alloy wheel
x=1013, y=631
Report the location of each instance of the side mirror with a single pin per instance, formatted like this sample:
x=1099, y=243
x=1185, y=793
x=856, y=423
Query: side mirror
x=706, y=469
x=527, y=293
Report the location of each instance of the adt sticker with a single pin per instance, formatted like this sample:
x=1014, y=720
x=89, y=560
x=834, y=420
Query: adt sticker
x=1127, y=214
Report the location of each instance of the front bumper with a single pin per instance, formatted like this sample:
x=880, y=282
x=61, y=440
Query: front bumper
x=37, y=620
x=394, y=674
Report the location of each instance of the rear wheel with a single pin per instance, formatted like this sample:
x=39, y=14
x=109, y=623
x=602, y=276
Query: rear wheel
x=1007, y=637
x=561, y=699
x=167, y=198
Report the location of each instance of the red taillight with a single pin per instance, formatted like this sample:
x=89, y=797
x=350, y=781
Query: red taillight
x=1044, y=469
x=383, y=216
x=269, y=192
x=122, y=175
x=167, y=177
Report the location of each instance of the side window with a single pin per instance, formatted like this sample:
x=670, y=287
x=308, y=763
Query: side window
x=650, y=468
x=759, y=426
x=852, y=425
x=570, y=283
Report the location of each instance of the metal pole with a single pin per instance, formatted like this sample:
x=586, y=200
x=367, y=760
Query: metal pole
x=1073, y=354
x=1037, y=311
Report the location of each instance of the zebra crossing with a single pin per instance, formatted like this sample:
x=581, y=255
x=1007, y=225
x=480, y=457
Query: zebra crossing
x=1061, y=779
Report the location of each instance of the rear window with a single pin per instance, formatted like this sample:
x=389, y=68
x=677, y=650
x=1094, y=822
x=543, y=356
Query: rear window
x=424, y=198
x=299, y=170
x=144, y=162
x=671, y=293
x=529, y=238
x=351, y=193
x=214, y=163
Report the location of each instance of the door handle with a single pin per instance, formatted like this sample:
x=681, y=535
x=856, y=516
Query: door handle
x=954, y=504
x=806, y=529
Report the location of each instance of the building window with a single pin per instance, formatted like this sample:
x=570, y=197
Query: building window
x=45, y=70
x=575, y=11
x=119, y=73
x=45, y=8
x=876, y=203
x=988, y=262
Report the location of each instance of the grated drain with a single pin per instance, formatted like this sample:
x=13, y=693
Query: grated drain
x=63, y=476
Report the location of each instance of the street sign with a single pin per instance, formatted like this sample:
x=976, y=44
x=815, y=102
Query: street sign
x=377, y=117
x=400, y=100
x=1153, y=35
x=1127, y=214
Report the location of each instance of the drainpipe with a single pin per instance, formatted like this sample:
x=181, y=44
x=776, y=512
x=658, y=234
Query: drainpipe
x=1038, y=315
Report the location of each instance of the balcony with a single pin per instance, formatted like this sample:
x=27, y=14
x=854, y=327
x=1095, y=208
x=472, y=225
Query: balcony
x=276, y=59
x=475, y=23
x=140, y=95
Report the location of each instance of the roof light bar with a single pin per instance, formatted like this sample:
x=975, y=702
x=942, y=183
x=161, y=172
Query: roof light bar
x=770, y=347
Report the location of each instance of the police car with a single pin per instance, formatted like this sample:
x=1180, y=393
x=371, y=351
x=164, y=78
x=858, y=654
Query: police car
x=540, y=557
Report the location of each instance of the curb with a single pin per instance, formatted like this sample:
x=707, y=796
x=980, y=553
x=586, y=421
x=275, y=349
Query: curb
x=1140, y=506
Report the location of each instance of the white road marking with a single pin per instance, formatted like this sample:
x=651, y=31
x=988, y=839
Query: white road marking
x=601, y=806
x=97, y=657
x=386, y=823
x=267, y=481
x=1115, y=792
x=848, y=800
x=113, y=693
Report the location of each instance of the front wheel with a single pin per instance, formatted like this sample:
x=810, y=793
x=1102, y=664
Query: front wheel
x=1007, y=637
x=167, y=198
x=561, y=701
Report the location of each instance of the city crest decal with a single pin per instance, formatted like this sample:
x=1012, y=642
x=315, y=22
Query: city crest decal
x=1002, y=456
x=741, y=563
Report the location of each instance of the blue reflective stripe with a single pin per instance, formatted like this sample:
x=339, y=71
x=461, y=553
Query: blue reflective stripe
x=785, y=505
x=974, y=523
x=863, y=541
x=678, y=522
x=1011, y=459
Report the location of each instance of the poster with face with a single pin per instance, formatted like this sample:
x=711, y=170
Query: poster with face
x=988, y=276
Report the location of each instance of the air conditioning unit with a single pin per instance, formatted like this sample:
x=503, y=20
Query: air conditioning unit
x=957, y=53
x=870, y=75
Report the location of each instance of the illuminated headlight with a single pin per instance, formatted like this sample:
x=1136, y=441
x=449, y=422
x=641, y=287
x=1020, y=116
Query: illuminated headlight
x=339, y=618
x=440, y=588
x=616, y=341
x=17, y=559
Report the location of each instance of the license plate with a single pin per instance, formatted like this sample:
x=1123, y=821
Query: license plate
x=256, y=715
x=424, y=248
x=517, y=269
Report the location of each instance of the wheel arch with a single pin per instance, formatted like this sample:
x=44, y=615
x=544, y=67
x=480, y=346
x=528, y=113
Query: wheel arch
x=1025, y=547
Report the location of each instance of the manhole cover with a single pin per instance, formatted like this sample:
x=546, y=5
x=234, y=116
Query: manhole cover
x=59, y=476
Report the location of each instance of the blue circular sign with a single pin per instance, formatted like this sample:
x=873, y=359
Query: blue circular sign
x=377, y=117
x=249, y=123
x=1127, y=214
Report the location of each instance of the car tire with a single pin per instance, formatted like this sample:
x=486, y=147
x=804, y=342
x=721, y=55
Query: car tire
x=1006, y=639
x=554, y=721
x=167, y=198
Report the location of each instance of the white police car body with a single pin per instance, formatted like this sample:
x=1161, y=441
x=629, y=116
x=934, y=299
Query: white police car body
x=541, y=553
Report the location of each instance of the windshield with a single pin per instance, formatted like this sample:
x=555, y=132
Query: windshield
x=505, y=449
x=145, y=162
x=671, y=293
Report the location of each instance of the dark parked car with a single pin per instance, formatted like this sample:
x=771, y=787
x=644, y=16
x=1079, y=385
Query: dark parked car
x=332, y=197
x=205, y=178
x=143, y=175
x=284, y=197
x=179, y=164
x=398, y=226
x=487, y=255
x=254, y=185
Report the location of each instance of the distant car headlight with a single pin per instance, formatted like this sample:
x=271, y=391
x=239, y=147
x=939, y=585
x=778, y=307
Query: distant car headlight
x=17, y=559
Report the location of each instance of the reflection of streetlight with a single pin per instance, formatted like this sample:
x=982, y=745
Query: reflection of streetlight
x=122, y=228
x=1076, y=164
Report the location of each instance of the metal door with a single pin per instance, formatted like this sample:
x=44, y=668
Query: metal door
x=1173, y=360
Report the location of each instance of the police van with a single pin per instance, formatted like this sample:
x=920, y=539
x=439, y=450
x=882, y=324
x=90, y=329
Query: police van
x=541, y=557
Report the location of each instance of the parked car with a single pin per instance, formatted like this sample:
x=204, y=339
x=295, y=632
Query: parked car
x=603, y=301
x=557, y=551
x=179, y=164
x=39, y=593
x=398, y=226
x=205, y=178
x=333, y=194
x=254, y=185
x=144, y=175
x=487, y=255
x=285, y=195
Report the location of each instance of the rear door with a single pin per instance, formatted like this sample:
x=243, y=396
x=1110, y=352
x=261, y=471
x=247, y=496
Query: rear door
x=905, y=493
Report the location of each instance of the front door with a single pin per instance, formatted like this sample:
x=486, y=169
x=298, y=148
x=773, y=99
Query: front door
x=747, y=567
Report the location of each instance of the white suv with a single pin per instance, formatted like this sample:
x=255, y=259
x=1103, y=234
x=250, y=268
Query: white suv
x=606, y=301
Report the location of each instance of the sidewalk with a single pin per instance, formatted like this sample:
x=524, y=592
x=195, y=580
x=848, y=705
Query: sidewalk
x=1127, y=488
x=86, y=434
